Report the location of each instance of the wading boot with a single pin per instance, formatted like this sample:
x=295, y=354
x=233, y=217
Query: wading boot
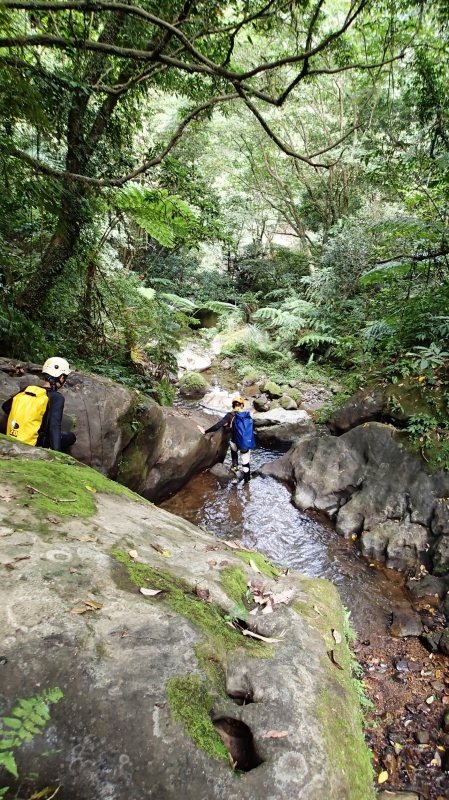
x=246, y=474
x=235, y=461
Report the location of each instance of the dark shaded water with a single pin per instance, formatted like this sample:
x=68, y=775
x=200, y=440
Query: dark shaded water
x=262, y=516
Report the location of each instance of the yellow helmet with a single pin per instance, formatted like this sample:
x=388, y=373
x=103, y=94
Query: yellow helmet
x=56, y=366
x=238, y=401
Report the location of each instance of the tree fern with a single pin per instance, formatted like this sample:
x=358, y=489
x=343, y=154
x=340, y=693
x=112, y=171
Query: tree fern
x=167, y=218
x=27, y=719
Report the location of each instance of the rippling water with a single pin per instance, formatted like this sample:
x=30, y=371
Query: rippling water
x=262, y=516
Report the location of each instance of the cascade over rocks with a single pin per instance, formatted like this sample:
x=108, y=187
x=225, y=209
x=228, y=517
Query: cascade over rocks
x=125, y=435
x=372, y=486
x=149, y=683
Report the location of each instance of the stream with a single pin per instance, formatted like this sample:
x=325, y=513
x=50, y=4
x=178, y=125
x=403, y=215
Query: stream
x=262, y=516
x=399, y=674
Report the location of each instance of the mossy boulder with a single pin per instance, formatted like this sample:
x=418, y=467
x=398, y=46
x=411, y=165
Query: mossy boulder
x=272, y=389
x=287, y=402
x=151, y=678
x=292, y=392
x=261, y=403
x=192, y=384
x=274, y=404
x=250, y=376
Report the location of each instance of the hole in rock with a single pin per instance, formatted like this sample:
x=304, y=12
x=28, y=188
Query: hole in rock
x=238, y=740
x=241, y=698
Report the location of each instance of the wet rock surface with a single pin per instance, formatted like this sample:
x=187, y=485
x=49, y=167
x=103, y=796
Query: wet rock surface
x=119, y=731
x=183, y=451
x=369, y=484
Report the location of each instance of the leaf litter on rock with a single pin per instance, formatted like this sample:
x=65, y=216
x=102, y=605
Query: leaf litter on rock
x=336, y=635
x=275, y=735
x=89, y=605
x=149, y=592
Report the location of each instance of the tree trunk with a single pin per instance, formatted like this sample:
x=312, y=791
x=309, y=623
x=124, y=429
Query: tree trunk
x=60, y=248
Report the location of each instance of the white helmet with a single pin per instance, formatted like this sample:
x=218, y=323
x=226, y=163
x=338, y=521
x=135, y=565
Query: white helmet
x=56, y=366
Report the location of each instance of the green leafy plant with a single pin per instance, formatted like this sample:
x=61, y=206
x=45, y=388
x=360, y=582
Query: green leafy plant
x=432, y=356
x=26, y=720
x=421, y=426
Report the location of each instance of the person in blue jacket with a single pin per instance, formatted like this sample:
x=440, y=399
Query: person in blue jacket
x=242, y=435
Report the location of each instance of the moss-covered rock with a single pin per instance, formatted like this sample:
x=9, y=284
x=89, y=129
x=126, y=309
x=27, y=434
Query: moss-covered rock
x=272, y=389
x=292, y=392
x=250, y=376
x=148, y=675
x=192, y=384
x=288, y=403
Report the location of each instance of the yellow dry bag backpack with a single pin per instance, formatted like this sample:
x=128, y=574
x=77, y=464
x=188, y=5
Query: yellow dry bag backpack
x=27, y=411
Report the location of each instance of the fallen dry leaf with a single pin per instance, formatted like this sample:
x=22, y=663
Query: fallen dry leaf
x=6, y=497
x=254, y=611
x=91, y=489
x=223, y=563
x=203, y=594
x=275, y=735
x=315, y=608
x=260, y=600
x=91, y=604
x=268, y=608
x=132, y=553
x=149, y=592
x=160, y=705
x=254, y=566
x=21, y=558
x=212, y=563
x=86, y=538
x=72, y=570
x=382, y=777
x=79, y=610
x=283, y=597
x=53, y=519
x=337, y=636
x=9, y=566
x=166, y=554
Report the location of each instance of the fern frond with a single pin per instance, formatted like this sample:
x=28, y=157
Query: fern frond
x=312, y=339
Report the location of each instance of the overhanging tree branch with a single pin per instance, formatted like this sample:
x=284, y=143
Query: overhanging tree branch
x=45, y=169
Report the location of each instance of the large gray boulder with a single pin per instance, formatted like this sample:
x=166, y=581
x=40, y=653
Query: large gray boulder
x=153, y=686
x=363, y=407
x=183, y=451
x=279, y=426
x=194, y=358
x=369, y=484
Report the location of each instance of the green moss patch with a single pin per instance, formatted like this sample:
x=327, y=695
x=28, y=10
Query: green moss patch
x=260, y=561
x=192, y=382
x=233, y=580
x=61, y=478
x=338, y=705
x=208, y=617
x=191, y=703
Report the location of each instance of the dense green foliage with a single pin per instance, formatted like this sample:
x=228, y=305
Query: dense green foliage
x=285, y=166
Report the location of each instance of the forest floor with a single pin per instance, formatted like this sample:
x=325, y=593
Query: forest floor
x=409, y=688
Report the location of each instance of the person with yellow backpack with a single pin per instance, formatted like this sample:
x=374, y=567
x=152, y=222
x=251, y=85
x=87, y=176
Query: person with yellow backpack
x=35, y=414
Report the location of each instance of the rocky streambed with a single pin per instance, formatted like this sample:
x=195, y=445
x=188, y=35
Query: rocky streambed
x=357, y=492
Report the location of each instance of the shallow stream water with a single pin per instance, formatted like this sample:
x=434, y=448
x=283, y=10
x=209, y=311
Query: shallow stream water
x=262, y=516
